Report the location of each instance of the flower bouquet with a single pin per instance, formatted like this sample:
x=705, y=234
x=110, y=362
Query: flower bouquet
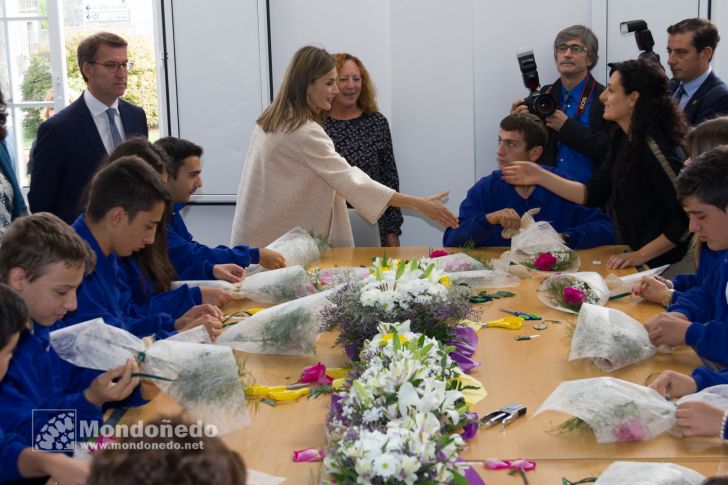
x=568, y=292
x=457, y=262
x=646, y=473
x=538, y=246
x=401, y=418
x=397, y=291
x=278, y=285
x=611, y=338
x=290, y=328
x=298, y=246
x=202, y=378
x=615, y=410
x=324, y=278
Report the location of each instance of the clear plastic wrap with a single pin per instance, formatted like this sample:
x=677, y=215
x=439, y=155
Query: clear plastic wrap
x=538, y=246
x=569, y=291
x=614, y=409
x=298, y=246
x=201, y=378
x=485, y=278
x=457, y=262
x=612, y=339
x=290, y=328
x=278, y=285
x=624, y=284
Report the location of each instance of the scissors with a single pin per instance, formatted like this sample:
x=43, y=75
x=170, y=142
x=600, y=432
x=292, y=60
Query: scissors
x=525, y=316
x=510, y=323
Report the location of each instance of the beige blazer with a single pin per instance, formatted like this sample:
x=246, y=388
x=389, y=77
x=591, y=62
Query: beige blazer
x=298, y=179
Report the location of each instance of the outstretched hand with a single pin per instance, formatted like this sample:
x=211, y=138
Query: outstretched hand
x=433, y=208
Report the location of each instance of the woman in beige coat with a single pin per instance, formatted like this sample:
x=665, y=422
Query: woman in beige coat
x=294, y=177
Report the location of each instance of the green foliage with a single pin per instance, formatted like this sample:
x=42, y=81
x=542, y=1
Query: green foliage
x=141, y=86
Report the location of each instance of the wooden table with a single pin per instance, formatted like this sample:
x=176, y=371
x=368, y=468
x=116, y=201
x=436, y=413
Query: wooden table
x=524, y=371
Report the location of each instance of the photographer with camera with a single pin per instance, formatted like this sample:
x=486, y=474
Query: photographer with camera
x=577, y=136
x=700, y=93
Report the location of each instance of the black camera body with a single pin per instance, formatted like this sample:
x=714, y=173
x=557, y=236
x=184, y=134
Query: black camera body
x=540, y=103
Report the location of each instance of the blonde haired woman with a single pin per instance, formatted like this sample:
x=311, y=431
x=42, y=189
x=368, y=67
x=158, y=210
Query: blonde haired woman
x=294, y=177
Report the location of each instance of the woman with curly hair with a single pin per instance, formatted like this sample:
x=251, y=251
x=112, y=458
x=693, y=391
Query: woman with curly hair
x=637, y=178
x=12, y=204
x=361, y=135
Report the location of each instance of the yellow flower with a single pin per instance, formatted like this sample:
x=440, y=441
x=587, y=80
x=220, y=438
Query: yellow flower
x=402, y=339
x=258, y=391
x=288, y=395
x=445, y=280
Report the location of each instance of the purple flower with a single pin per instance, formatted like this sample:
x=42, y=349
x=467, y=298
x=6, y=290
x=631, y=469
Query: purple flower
x=465, y=363
x=472, y=477
x=470, y=429
x=630, y=430
x=352, y=351
x=465, y=339
x=574, y=296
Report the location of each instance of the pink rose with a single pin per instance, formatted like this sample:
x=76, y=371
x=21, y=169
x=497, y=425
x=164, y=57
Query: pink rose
x=574, y=296
x=315, y=373
x=309, y=454
x=436, y=253
x=545, y=261
x=630, y=430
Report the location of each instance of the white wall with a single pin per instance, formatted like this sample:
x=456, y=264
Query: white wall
x=446, y=74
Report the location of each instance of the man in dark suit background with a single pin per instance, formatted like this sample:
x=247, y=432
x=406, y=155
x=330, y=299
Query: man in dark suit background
x=701, y=94
x=70, y=145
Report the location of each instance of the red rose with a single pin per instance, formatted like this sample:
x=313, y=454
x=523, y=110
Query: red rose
x=545, y=261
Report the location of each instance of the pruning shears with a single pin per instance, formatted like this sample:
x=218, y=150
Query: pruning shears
x=525, y=316
x=505, y=415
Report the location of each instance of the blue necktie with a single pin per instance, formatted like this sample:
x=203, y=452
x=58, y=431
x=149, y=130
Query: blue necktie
x=679, y=93
x=115, y=135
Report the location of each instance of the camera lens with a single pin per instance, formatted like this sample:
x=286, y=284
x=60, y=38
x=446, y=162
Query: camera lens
x=544, y=105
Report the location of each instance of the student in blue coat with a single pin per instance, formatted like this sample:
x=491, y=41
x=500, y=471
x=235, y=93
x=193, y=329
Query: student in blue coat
x=148, y=272
x=126, y=202
x=43, y=262
x=186, y=254
x=493, y=204
x=700, y=317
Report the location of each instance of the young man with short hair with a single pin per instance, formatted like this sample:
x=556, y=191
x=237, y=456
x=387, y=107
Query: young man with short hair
x=699, y=318
x=185, y=169
x=126, y=202
x=44, y=261
x=492, y=204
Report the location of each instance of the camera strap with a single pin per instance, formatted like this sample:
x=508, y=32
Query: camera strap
x=586, y=94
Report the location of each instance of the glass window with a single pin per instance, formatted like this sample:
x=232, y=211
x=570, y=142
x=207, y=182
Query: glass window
x=26, y=57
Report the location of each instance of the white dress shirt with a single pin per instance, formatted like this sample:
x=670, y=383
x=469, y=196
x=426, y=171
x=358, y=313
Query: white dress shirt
x=98, y=113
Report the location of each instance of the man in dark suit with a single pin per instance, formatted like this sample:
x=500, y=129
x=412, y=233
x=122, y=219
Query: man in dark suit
x=577, y=131
x=70, y=145
x=701, y=94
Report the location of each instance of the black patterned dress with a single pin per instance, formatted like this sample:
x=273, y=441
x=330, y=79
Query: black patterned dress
x=366, y=142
